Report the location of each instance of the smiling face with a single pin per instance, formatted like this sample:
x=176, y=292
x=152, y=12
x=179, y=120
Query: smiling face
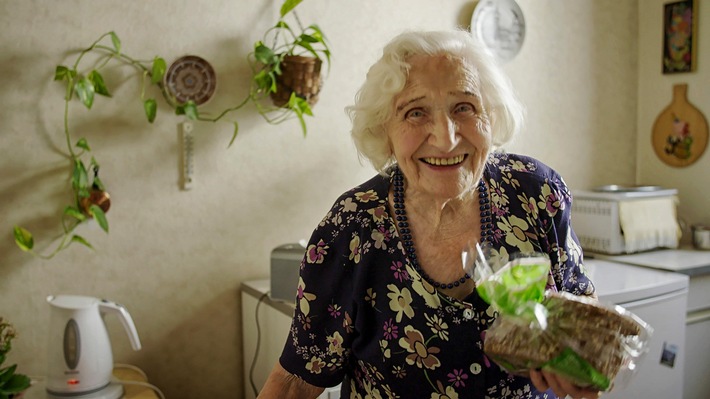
x=438, y=131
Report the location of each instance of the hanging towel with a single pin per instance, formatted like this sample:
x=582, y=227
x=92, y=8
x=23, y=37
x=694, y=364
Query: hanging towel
x=649, y=223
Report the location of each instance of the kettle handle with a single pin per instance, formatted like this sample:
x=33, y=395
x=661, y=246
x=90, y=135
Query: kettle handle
x=126, y=320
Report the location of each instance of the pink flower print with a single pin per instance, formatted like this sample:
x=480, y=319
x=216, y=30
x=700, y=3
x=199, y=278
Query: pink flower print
x=334, y=310
x=457, y=377
x=400, y=272
x=391, y=330
x=316, y=253
x=485, y=358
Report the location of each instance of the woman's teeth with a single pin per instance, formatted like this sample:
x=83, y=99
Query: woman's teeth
x=444, y=161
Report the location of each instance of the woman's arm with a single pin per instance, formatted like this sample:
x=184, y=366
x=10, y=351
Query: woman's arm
x=283, y=385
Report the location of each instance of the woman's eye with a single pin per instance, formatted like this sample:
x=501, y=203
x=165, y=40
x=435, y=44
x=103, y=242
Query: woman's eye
x=464, y=108
x=414, y=113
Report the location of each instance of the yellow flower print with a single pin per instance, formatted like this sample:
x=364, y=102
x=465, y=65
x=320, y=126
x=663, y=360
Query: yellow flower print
x=335, y=344
x=498, y=196
x=449, y=394
x=400, y=302
x=549, y=200
x=316, y=252
x=529, y=205
x=378, y=214
x=517, y=165
x=575, y=251
x=348, y=205
x=371, y=297
x=419, y=354
x=370, y=391
x=426, y=291
x=384, y=348
x=355, y=249
x=303, y=298
x=369, y=195
x=514, y=229
x=315, y=366
x=496, y=258
x=438, y=326
x=508, y=178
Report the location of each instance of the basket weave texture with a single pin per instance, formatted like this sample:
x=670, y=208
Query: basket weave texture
x=301, y=75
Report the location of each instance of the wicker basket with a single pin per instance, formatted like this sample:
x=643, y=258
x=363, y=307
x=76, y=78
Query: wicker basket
x=301, y=75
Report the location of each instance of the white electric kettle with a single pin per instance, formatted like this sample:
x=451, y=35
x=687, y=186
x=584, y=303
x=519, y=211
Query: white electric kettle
x=80, y=359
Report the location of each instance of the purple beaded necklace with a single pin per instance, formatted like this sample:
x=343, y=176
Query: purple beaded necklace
x=403, y=224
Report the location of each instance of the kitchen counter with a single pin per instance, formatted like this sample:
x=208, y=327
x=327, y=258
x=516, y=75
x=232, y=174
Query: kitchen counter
x=688, y=261
x=134, y=386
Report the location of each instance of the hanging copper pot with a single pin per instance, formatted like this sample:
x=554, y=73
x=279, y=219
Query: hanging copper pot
x=96, y=197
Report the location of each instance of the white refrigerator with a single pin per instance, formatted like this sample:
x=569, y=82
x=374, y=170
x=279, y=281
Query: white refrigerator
x=659, y=298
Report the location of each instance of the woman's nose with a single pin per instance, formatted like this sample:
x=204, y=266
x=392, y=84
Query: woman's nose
x=443, y=133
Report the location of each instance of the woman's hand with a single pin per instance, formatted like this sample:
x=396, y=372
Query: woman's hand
x=562, y=387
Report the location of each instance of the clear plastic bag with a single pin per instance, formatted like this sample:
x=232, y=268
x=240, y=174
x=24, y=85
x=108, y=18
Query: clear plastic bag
x=587, y=342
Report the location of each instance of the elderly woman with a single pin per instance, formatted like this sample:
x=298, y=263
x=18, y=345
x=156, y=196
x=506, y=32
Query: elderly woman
x=383, y=304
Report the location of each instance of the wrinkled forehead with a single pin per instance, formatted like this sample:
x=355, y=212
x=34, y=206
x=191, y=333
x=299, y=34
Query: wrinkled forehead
x=440, y=71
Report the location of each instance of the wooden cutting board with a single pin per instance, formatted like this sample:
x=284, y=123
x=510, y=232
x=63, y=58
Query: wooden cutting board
x=680, y=132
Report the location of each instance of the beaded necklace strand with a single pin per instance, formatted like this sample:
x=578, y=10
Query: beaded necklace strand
x=403, y=224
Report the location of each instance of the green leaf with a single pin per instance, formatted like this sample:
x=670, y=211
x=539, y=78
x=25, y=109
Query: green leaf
x=190, y=109
x=80, y=178
x=82, y=143
x=151, y=108
x=98, y=82
x=6, y=374
x=289, y=5
x=116, y=41
x=99, y=215
x=23, y=238
x=234, y=135
x=75, y=213
x=16, y=384
x=98, y=184
x=265, y=81
x=264, y=54
x=81, y=240
x=64, y=73
x=300, y=107
x=85, y=90
x=159, y=67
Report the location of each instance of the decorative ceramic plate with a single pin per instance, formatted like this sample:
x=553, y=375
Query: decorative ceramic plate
x=500, y=25
x=191, y=78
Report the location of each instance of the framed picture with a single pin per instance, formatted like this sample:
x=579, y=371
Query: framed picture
x=679, y=36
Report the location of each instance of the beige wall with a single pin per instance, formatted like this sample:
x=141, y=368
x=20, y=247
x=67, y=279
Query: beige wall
x=655, y=93
x=175, y=259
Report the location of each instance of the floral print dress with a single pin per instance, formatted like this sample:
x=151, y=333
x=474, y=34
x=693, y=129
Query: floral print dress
x=366, y=318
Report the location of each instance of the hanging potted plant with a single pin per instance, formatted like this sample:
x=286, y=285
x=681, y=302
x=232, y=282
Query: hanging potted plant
x=12, y=384
x=289, y=70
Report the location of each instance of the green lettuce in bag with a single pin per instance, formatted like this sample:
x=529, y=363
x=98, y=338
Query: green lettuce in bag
x=576, y=337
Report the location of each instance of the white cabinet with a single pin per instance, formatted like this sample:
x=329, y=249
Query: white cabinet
x=695, y=264
x=265, y=326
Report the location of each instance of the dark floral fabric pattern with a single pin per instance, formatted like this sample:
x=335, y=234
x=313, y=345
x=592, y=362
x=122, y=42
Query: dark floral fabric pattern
x=366, y=318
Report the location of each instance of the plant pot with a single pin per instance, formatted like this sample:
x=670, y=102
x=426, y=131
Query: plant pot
x=96, y=197
x=300, y=75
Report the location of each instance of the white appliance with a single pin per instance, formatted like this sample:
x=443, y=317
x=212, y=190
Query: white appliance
x=659, y=298
x=80, y=361
x=619, y=220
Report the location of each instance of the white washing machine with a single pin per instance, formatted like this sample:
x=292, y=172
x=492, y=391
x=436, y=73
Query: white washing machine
x=659, y=298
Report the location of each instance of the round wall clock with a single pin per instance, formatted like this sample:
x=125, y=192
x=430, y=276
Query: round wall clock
x=191, y=78
x=500, y=25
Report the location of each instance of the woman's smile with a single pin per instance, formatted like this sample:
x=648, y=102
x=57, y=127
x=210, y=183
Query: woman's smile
x=437, y=161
